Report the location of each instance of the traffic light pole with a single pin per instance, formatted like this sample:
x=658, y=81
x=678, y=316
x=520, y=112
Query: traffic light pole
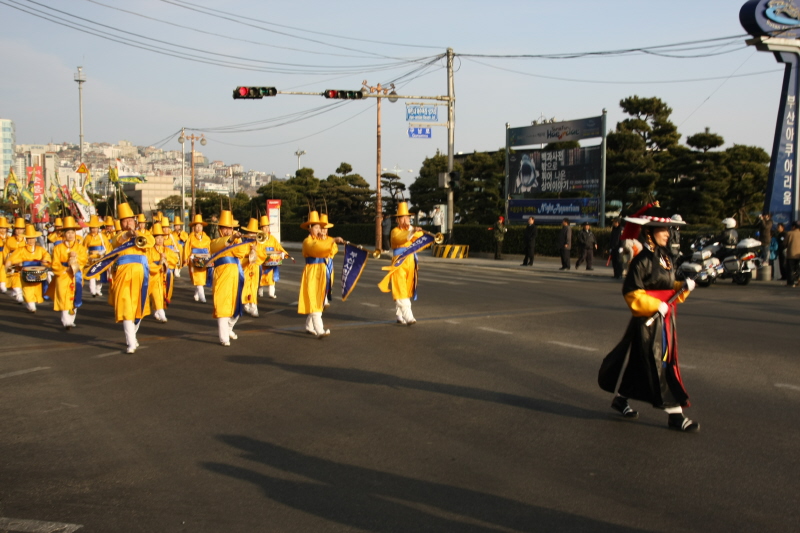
x=451, y=137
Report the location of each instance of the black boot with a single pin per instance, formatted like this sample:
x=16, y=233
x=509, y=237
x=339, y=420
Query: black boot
x=621, y=404
x=680, y=423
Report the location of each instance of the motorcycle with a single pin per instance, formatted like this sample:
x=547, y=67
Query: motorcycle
x=706, y=266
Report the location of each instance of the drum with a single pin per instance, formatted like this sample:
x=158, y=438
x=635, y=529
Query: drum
x=34, y=274
x=274, y=260
x=200, y=260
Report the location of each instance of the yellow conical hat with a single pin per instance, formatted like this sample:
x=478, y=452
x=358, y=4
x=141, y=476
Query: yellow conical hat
x=94, y=222
x=323, y=219
x=4, y=223
x=402, y=210
x=58, y=223
x=124, y=211
x=176, y=221
x=30, y=232
x=69, y=223
x=252, y=226
x=226, y=219
x=140, y=218
x=198, y=219
x=19, y=223
x=109, y=221
x=263, y=221
x=313, y=218
x=157, y=230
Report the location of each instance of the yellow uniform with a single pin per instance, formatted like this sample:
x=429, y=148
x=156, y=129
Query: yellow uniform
x=195, y=246
x=252, y=276
x=271, y=273
x=227, y=272
x=126, y=291
x=161, y=261
x=315, y=284
x=65, y=289
x=12, y=244
x=404, y=277
x=31, y=292
x=3, y=279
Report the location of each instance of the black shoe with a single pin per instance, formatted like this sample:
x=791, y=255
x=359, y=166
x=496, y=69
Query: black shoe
x=524, y=264
x=681, y=423
x=589, y=269
x=563, y=268
x=621, y=404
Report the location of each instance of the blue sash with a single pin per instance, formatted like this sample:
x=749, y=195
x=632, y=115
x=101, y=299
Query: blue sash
x=142, y=260
x=96, y=248
x=108, y=260
x=237, y=312
x=78, y=300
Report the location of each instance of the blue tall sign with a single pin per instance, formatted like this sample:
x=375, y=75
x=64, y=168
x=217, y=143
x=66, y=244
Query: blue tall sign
x=775, y=27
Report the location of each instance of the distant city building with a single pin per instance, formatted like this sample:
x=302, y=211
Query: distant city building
x=8, y=140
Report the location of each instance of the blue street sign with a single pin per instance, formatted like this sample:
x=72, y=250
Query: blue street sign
x=419, y=133
x=422, y=113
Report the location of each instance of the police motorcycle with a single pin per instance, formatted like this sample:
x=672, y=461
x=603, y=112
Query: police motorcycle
x=717, y=257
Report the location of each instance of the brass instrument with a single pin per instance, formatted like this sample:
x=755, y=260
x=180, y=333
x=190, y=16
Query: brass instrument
x=260, y=237
x=141, y=241
x=438, y=238
x=374, y=253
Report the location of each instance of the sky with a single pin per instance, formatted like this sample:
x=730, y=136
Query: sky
x=145, y=97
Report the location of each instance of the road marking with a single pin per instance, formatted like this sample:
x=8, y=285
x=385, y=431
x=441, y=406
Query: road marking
x=21, y=372
x=779, y=385
x=453, y=322
x=492, y=330
x=107, y=354
x=243, y=321
x=294, y=303
x=273, y=311
x=575, y=346
x=36, y=526
x=369, y=304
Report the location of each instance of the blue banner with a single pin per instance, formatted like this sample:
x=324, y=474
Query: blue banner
x=416, y=246
x=554, y=210
x=355, y=259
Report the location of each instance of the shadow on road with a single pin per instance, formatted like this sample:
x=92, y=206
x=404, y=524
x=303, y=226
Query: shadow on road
x=371, y=500
x=366, y=377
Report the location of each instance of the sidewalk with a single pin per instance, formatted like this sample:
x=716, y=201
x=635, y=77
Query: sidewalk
x=541, y=264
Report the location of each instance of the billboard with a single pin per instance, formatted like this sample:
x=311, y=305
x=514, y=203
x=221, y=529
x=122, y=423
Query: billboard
x=533, y=172
x=568, y=130
x=554, y=210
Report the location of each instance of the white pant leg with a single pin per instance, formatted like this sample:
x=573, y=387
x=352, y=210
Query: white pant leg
x=31, y=306
x=177, y=272
x=201, y=292
x=130, y=333
x=72, y=317
x=66, y=319
x=18, y=294
x=318, y=325
x=310, y=325
x=398, y=311
x=408, y=316
x=673, y=410
x=93, y=286
x=3, y=288
x=271, y=291
x=224, y=328
x=232, y=322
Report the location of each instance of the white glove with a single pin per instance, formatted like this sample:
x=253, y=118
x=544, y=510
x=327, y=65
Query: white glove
x=663, y=309
x=689, y=284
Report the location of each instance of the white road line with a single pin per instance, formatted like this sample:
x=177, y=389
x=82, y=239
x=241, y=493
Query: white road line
x=294, y=303
x=273, y=311
x=21, y=372
x=36, y=526
x=369, y=304
x=452, y=321
x=575, y=346
x=107, y=354
x=492, y=330
x=779, y=385
x=244, y=321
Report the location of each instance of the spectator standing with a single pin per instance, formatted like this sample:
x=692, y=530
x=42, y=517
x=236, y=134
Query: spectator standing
x=565, y=243
x=615, y=250
x=530, y=241
x=793, y=255
x=386, y=230
x=437, y=219
x=781, y=238
x=587, y=244
x=765, y=229
x=499, y=230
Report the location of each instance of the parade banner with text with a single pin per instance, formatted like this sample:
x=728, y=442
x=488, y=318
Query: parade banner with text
x=568, y=130
x=355, y=259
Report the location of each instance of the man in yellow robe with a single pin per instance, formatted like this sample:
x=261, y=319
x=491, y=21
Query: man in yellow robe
x=4, y=227
x=403, y=276
x=181, y=237
x=315, y=285
x=252, y=272
x=12, y=244
x=66, y=288
x=96, y=246
x=30, y=256
x=229, y=254
x=54, y=237
x=198, y=245
x=270, y=270
x=162, y=261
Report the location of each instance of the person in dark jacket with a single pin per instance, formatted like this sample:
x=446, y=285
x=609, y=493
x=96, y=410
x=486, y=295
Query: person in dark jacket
x=530, y=241
x=615, y=248
x=646, y=359
x=587, y=244
x=499, y=230
x=565, y=243
x=781, y=237
x=765, y=233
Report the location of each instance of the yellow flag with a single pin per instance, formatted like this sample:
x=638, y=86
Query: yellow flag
x=113, y=174
x=78, y=197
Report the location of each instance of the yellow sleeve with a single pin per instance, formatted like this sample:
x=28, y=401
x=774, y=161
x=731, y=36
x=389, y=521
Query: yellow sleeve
x=641, y=303
x=678, y=286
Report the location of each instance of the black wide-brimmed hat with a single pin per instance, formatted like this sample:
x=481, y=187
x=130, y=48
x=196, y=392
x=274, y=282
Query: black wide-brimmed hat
x=655, y=216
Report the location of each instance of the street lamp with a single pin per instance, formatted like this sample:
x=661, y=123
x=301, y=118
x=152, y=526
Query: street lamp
x=182, y=140
x=299, y=153
x=192, y=138
x=381, y=92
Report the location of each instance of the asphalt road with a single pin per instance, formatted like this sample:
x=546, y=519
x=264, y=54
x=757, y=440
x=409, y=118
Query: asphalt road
x=484, y=416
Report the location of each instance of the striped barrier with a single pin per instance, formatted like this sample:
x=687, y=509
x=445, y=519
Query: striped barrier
x=451, y=251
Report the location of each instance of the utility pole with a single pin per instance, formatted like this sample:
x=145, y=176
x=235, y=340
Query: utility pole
x=193, y=138
x=299, y=153
x=81, y=79
x=379, y=91
x=182, y=140
x=451, y=136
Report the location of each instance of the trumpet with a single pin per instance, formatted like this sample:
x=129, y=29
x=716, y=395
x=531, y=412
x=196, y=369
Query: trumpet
x=438, y=238
x=374, y=253
x=141, y=241
x=260, y=236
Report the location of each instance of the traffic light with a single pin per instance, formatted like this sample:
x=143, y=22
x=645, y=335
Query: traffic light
x=344, y=95
x=251, y=93
x=455, y=179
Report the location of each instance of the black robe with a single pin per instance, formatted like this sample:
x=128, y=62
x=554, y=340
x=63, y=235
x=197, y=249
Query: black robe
x=640, y=356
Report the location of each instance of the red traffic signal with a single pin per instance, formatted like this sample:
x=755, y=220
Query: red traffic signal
x=251, y=93
x=343, y=95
